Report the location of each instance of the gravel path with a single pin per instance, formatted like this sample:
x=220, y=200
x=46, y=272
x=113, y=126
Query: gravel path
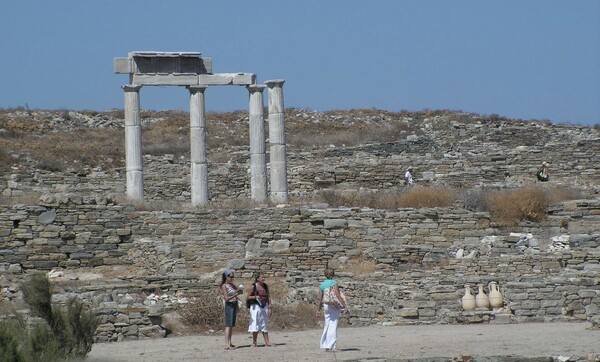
x=369, y=343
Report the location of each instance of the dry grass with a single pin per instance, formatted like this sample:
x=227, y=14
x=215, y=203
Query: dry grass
x=414, y=197
x=418, y=197
x=296, y=316
x=353, y=198
x=57, y=143
x=205, y=313
x=60, y=150
x=525, y=204
x=506, y=207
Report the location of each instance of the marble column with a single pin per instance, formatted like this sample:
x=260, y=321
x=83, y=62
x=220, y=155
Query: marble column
x=133, y=143
x=199, y=165
x=258, y=161
x=279, y=182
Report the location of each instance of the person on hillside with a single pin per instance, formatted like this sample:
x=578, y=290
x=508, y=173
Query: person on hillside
x=230, y=296
x=542, y=173
x=408, y=177
x=260, y=309
x=331, y=311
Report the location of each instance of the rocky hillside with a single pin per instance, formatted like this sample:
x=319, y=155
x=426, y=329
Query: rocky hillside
x=83, y=151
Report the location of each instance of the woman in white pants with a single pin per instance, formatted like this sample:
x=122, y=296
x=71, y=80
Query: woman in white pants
x=259, y=304
x=331, y=312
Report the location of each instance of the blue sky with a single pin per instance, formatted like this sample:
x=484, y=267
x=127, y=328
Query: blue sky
x=527, y=59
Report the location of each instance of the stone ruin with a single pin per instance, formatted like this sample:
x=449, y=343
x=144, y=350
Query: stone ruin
x=405, y=266
x=191, y=70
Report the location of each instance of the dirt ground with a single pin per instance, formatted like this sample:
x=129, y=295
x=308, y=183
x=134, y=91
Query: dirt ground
x=369, y=343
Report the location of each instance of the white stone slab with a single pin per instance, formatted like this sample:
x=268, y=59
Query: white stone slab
x=165, y=79
x=227, y=79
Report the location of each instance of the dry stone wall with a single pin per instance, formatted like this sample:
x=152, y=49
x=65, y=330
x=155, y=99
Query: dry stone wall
x=397, y=266
x=400, y=266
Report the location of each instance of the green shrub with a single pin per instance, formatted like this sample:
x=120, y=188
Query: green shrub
x=9, y=344
x=65, y=333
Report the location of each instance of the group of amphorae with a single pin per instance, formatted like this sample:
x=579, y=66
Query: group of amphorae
x=482, y=300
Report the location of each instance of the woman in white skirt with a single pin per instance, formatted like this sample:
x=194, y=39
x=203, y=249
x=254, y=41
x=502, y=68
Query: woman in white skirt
x=259, y=304
x=330, y=311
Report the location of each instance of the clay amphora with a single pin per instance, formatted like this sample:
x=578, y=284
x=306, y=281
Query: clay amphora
x=496, y=300
x=482, y=300
x=468, y=300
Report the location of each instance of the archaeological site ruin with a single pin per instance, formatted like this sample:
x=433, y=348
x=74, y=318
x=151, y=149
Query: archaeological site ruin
x=135, y=264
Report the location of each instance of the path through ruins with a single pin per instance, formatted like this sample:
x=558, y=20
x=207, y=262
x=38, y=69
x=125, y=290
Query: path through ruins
x=373, y=342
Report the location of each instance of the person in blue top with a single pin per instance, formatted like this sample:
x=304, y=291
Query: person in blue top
x=331, y=312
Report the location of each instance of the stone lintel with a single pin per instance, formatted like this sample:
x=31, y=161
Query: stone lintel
x=227, y=79
x=165, y=79
x=202, y=80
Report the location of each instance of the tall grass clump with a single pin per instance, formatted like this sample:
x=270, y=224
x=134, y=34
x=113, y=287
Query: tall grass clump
x=509, y=207
x=65, y=332
x=414, y=197
x=525, y=204
x=205, y=313
x=417, y=197
x=354, y=198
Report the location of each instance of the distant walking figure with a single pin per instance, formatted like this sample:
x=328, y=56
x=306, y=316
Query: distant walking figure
x=408, y=177
x=329, y=293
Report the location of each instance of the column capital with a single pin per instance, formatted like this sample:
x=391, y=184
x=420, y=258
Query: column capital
x=274, y=83
x=196, y=88
x=131, y=88
x=256, y=88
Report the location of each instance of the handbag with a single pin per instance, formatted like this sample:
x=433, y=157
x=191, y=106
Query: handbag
x=330, y=297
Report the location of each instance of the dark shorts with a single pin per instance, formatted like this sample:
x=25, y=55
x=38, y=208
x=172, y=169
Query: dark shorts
x=230, y=313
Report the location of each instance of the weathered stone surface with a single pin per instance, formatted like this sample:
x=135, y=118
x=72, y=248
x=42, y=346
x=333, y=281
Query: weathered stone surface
x=389, y=262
